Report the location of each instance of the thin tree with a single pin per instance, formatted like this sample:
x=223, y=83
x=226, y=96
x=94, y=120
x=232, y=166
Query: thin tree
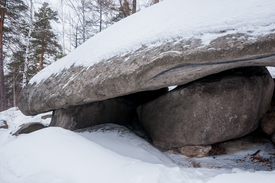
x=134, y=10
x=30, y=24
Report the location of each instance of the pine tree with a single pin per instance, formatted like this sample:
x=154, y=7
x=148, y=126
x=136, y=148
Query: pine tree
x=11, y=14
x=46, y=47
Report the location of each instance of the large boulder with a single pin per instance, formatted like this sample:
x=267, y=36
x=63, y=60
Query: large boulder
x=134, y=55
x=120, y=110
x=213, y=109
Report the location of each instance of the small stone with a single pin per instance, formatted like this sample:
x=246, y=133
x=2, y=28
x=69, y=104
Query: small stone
x=3, y=124
x=28, y=128
x=170, y=152
x=195, y=151
x=268, y=123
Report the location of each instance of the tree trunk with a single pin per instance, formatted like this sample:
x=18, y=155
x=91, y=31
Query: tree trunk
x=42, y=51
x=134, y=10
x=42, y=58
x=63, y=31
x=26, y=64
x=100, y=16
x=83, y=22
x=2, y=79
x=13, y=90
x=156, y=1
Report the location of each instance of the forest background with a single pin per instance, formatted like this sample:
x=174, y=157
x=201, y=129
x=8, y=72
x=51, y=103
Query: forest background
x=35, y=33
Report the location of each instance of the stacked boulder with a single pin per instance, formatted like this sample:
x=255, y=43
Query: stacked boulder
x=216, y=108
x=223, y=85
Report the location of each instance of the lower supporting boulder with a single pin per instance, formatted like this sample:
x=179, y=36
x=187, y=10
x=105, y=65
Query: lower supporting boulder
x=120, y=110
x=268, y=120
x=219, y=107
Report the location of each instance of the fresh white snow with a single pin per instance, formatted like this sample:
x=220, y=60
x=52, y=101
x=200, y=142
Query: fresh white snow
x=111, y=153
x=168, y=20
x=272, y=71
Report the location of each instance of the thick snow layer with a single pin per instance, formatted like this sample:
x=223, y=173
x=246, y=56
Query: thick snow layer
x=109, y=153
x=169, y=20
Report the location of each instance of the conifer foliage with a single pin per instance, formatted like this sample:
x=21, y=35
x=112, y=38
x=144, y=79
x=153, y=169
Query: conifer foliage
x=11, y=13
x=45, y=40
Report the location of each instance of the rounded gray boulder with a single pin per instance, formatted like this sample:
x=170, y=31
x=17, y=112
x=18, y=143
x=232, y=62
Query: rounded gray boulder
x=213, y=109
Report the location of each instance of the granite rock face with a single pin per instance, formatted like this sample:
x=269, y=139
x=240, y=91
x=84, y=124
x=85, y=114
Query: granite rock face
x=210, y=110
x=120, y=110
x=175, y=63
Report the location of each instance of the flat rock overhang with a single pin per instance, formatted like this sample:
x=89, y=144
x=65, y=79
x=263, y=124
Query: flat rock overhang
x=149, y=68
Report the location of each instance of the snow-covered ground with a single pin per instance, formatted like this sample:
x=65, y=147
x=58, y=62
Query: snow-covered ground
x=112, y=153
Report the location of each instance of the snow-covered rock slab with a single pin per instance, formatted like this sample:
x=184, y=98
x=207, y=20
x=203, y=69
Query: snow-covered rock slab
x=171, y=43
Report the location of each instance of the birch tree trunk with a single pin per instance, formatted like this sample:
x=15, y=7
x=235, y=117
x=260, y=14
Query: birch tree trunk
x=63, y=32
x=26, y=64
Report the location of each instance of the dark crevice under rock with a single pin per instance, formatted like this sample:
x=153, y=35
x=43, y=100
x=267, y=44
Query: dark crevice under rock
x=120, y=110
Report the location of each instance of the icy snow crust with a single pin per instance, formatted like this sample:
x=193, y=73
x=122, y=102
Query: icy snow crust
x=109, y=153
x=167, y=21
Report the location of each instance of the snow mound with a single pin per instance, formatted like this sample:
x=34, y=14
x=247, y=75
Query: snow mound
x=105, y=153
x=170, y=20
x=58, y=155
